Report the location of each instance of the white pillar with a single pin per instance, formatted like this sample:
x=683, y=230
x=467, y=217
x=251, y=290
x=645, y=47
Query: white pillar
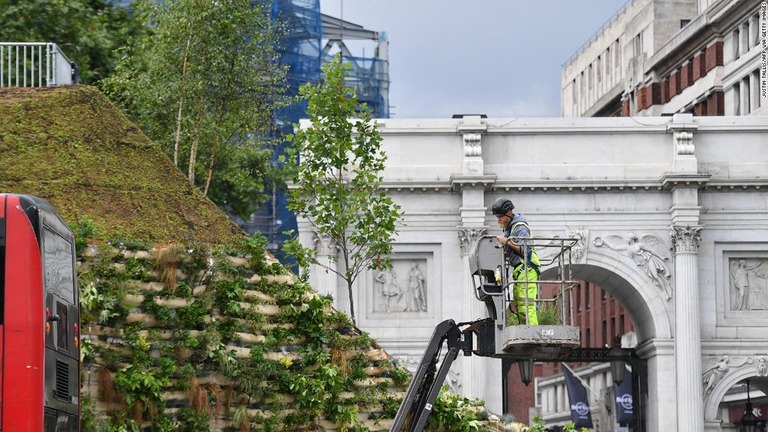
x=690, y=406
x=325, y=281
x=481, y=375
x=685, y=235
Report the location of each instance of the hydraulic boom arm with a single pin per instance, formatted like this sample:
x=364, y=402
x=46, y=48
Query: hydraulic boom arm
x=421, y=394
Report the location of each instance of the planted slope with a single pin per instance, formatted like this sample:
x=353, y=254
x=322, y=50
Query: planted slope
x=72, y=147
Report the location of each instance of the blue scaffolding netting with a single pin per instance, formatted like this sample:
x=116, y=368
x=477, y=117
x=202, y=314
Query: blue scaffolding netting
x=305, y=47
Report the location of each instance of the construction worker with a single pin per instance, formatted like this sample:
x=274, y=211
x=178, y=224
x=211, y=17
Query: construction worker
x=520, y=256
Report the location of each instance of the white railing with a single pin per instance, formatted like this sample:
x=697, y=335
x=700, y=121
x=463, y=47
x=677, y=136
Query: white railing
x=34, y=64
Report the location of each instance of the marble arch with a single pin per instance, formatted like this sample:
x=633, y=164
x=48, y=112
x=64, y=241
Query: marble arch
x=691, y=193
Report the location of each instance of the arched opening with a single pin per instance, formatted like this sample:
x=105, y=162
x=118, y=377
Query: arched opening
x=644, y=306
x=726, y=399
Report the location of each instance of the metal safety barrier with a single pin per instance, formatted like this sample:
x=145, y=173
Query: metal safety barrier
x=35, y=64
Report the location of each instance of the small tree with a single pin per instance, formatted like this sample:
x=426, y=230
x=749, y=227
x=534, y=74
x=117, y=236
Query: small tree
x=337, y=182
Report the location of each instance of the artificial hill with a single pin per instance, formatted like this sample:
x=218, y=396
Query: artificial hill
x=187, y=323
x=71, y=146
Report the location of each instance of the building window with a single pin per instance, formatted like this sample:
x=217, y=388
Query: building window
x=574, y=91
x=735, y=44
x=756, y=26
x=605, y=334
x=586, y=296
x=745, y=86
x=736, y=99
x=578, y=297
x=684, y=22
x=745, y=37
x=603, y=295
x=638, y=45
x=590, y=76
x=587, y=338
x=621, y=324
x=599, y=69
x=616, y=59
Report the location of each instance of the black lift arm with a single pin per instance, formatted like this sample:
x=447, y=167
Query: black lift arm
x=421, y=394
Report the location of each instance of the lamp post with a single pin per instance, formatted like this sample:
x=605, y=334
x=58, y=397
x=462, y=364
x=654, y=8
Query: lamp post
x=748, y=420
x=618, y=365
x=526, y=371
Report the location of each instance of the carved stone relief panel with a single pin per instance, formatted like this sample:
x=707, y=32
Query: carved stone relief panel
x=741, y=289
x=717, y=367
x=648, y=252
x=402, y=288
x=748, y=283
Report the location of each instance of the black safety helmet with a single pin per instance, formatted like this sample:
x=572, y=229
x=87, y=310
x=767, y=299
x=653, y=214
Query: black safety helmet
x=501, y=206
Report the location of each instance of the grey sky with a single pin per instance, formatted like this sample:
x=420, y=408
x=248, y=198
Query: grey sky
x=497, y=57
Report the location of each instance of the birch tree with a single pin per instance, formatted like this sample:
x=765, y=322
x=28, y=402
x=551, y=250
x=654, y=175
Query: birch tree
x=204, y=83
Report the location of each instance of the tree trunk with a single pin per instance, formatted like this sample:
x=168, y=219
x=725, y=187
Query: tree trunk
x=195, y=142
x=215, y=149
x=351, y=303
x=181, y=101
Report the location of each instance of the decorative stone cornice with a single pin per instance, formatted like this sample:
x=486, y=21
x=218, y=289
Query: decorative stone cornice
x=418, y=186
x=491, y=183
x=461, y=182
x=468, y=236
x=685, y=239
x=671, y=181
x=575, y=185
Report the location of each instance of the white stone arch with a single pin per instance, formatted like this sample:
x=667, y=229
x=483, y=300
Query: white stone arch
x=732, y=377
x=626, y=282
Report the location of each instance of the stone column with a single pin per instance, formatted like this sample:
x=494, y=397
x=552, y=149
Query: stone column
x=325, y=281
x=482, y=376
x=690, y=406
x=684, y=183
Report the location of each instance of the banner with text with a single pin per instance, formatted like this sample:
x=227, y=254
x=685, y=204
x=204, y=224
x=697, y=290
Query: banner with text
x=625, y=413
x=577, y=395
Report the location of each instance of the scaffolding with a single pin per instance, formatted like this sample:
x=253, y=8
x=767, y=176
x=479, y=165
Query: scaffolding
x=311, y=39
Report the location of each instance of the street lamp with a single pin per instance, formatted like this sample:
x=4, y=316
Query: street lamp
x=748, y=420
x=618, y=365
x=526, y=371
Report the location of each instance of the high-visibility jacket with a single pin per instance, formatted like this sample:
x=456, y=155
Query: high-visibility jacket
x=516, y=258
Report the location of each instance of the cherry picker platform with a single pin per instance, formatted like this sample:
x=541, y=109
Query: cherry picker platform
x=496, y=335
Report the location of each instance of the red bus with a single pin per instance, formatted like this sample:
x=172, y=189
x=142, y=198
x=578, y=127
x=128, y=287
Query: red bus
x=39, y=319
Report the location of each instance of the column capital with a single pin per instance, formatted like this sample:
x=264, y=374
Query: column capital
x=468, y=236
x=685, y=239
x=324, y=244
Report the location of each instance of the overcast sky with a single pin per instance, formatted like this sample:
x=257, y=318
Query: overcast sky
x=502, y=58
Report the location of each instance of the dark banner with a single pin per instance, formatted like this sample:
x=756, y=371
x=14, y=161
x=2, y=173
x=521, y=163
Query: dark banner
x=625, y=413
x=577, y=395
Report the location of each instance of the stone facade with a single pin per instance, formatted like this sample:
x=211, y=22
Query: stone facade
x=675, y=215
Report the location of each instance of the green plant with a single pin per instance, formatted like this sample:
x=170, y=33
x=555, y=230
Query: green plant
x=571, y=427
x=536, y=426
x=82, y=230
x=548, y=315
x=455, y=413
